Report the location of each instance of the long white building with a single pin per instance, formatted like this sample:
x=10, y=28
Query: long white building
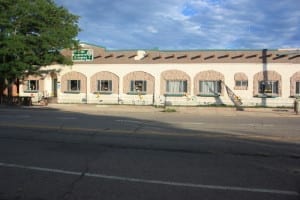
x=153, y=77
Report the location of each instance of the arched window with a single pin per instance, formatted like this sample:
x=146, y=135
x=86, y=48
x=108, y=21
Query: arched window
x=73, y=82
x=295, y=85
x=241, y=81
x=209, y=83
x=267, y=84
x=104, y=83
x=175, y=83
x=33, y=84
x=138, y=82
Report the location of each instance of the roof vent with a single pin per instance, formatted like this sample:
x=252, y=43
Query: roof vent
x=140, y=55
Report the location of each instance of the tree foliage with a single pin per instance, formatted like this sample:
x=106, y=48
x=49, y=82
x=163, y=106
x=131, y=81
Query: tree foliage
x=32, y=34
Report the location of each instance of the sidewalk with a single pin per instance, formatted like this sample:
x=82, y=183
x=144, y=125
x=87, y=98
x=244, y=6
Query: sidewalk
x=201, y=110
x=90, y=108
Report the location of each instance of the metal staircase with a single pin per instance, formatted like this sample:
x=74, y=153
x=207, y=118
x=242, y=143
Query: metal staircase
x=236, y=100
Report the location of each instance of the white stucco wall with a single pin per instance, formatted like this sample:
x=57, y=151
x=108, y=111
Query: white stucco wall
x=286, y=70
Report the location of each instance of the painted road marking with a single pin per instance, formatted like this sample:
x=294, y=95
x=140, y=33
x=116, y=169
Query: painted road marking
x=66, y=118
x=193, y=123
x=140, y=122
x=129, y=121
x=151, y=181
x=258, y=125
x=187, y=123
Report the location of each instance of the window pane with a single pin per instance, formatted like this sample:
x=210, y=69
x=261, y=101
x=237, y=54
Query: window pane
x=219, y=84
x=238, y=83
x=170, y=86
x=78, y=85
x=261, y=87
x=176, y=87
x=32, y=85
x=145, y=86
x=132, y=86
x=210, y=87
x=138, y=86
x=74, y=85
x=110, y=85
x=184, y=86
x=245, y=83
x=275, y=87
x=104, y=85
x=181, y=89
x=298, y=87
x=268, y=87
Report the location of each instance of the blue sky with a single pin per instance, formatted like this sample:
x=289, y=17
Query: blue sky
x=188, y=24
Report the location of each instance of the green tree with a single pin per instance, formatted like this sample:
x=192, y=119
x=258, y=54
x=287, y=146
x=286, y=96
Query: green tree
x=32, y=35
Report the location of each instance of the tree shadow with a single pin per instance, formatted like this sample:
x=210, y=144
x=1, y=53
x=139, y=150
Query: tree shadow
x=94, y=137
x=128, y=130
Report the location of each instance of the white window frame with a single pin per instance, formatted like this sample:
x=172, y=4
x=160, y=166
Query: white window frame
x=32, y=85
x=297, y=88
x=73, y=85
x=241, y=83
x=210, y=87
x=138, y=86
x=104, y=86
x=176, y=87
x=273, y=88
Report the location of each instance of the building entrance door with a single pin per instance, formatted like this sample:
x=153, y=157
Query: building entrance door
x=54, y=87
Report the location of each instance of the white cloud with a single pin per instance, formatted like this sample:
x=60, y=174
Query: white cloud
x=188, y=24
x=152, y=29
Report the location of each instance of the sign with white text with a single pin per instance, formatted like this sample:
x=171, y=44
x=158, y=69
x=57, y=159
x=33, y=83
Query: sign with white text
x=82, y=55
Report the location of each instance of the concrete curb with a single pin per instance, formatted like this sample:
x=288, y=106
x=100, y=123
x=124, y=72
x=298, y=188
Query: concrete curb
x=179, y=110
x=93, y=108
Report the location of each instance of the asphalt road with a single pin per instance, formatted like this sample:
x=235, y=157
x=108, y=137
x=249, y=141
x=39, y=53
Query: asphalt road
x=95, y=153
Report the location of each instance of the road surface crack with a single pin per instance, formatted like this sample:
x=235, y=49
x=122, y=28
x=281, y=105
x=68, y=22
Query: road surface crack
x=68, y=194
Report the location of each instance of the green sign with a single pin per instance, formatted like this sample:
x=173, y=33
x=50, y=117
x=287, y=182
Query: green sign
x=82, y=55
